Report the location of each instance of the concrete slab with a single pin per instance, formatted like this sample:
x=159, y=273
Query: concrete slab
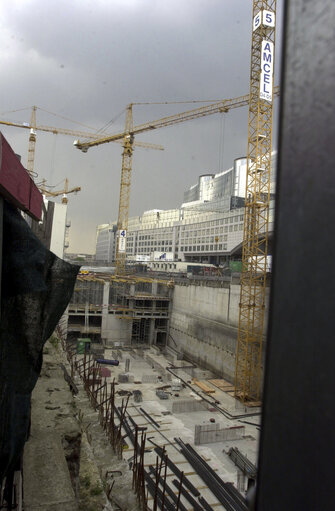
x=155, y=364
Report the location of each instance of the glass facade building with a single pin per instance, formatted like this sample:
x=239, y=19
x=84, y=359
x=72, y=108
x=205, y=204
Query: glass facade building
x=206, y=228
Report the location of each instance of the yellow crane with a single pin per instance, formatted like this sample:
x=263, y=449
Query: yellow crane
x=128, y=142
x=257, y=202
x=33, y=127
x=55, y=193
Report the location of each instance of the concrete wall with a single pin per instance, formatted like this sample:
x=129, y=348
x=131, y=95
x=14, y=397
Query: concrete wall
x=187, y=406
x=210, y=433
x=204, y=324
x=115, y=331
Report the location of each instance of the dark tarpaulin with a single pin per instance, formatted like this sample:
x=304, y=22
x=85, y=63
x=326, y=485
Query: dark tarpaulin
x=36, y=288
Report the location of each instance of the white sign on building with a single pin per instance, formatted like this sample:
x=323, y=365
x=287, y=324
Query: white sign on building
x=265, y=90
x=122, y=240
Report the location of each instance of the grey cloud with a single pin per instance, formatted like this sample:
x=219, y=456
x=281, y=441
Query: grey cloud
x=87, y=59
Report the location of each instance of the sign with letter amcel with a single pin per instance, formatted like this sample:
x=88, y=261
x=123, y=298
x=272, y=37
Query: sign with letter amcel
x=265, y=88
x=122, y=240
x=266, y=19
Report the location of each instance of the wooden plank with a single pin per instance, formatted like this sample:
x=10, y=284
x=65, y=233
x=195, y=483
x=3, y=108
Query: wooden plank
x=202, y=385
x=222, y=384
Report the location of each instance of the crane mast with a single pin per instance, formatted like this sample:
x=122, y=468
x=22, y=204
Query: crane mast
x=257, y=202
x=32, y=142
x=122, y=223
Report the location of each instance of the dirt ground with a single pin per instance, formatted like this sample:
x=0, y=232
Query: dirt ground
x=68, y=462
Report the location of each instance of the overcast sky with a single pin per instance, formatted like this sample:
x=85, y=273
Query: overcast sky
x=86, y=60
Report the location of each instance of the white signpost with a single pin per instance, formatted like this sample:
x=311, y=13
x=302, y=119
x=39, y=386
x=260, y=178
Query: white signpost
x=122, y=240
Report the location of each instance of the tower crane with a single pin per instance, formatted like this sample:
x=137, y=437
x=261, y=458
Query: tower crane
x=127, y=136
x=65, y=191
x=33, y=127
x=257, y=202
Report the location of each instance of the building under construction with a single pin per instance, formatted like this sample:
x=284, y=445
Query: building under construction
x=121, y=311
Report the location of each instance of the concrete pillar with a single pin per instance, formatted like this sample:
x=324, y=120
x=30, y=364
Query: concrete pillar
x=105, y=303
x=105, y=298
x=154, y=288
x=151, y=339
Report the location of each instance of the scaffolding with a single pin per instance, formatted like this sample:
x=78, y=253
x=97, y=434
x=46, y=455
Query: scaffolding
x=142, y=301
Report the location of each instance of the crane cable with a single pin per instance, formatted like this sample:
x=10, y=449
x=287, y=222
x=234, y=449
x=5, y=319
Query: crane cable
x=53, y=154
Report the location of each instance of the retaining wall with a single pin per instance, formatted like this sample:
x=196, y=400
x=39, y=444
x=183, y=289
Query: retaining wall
x=204, y=324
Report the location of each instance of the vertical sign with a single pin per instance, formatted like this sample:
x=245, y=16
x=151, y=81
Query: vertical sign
x=257, y=21
x=122, y=240
x=265, y=89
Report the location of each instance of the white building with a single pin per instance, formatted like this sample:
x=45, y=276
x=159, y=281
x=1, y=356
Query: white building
x=206, y=228
x=60, y=225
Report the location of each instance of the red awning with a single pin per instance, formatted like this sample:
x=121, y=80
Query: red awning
x=15, y=183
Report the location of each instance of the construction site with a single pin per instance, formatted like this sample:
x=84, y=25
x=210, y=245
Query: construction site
x=178, y=376
x=139, y=412
x=175, y=396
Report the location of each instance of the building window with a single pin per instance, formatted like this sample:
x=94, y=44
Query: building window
x=207, y=247
x=235, y=218
x=241, y=227
x=235, y=227
x=225, y=246
x=220, y=246
x=230, y=228
x=226, y=220
x=226, y=228
x=225, y=237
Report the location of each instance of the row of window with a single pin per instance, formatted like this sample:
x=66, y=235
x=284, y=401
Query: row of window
x=212, y=223
x=153, y=243
x=196, y=234
x=204, y=248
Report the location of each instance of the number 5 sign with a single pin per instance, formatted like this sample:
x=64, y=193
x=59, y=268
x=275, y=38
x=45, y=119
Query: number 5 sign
x=266, y=18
